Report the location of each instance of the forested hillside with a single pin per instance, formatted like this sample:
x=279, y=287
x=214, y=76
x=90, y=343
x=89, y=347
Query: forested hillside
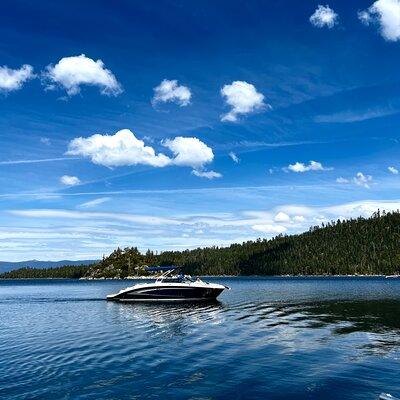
x=357, y=246
x=67, y=271
x=6, y=266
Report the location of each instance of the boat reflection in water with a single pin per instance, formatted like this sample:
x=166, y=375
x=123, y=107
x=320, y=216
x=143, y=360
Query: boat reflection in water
x=170, y=288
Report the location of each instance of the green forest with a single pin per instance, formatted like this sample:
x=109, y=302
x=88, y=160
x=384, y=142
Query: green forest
x=67, y=271
x=361, y=246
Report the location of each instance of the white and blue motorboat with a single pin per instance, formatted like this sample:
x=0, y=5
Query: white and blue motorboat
x=170, y=286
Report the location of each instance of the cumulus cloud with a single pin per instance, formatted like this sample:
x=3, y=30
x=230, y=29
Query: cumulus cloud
x=73, y=72
x=125, y=149
x=360, y=180
x=189, y=151
x=13, y=79
x=298, y=218
x=385, y=13
x=192, y=152
x=243, y=99
x=120, y=149
x=393, y=170
x=311, y=166
x=207, y=174
x=234, y=157
x=70, y=180
x=282, y=217
x=171, y=91
x=324, y=16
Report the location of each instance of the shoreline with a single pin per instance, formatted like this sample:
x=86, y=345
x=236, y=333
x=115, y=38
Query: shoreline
x=133, y=278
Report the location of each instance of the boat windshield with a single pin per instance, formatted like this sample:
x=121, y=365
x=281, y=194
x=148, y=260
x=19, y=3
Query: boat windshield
x=172, y=276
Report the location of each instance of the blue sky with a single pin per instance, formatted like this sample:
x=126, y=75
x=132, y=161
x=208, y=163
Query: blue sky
x=215, y=122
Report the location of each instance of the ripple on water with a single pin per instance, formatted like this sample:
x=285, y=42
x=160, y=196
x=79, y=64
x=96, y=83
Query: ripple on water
x=270, y=339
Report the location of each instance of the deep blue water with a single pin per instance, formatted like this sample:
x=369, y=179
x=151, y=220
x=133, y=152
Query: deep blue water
x=276, y=338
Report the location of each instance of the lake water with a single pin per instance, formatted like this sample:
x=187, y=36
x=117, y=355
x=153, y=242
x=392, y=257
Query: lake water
x=267, y=338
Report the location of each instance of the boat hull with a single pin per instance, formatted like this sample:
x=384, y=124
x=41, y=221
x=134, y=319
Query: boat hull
x=168, y=293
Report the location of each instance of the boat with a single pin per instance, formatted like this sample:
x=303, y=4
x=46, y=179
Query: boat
x=170, y=286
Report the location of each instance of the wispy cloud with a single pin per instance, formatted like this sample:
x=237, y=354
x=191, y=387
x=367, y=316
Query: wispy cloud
x=42, y=160
x=95, y=202
x=204, y=190
x=355, y=116
x=250, y=145
x=60, y=214
x=234, y=157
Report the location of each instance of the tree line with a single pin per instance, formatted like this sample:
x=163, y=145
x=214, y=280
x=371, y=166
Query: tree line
x=67, y=271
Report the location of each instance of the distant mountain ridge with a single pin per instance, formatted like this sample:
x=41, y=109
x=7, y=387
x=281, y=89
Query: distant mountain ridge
x=6, y=266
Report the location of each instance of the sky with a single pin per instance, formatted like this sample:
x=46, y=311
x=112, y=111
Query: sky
x=169, y=125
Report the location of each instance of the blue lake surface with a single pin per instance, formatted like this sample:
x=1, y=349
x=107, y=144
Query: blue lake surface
x=267, y=338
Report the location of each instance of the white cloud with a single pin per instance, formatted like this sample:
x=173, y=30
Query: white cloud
x=393, y=170
x=70, y=180
x=207, y=174
x=124, y=149
x=45, y=140
x=324, y=16
x=342, y=180
x=243, y=98
x=95, y=202
x=282, y=217
x=269, y=228
x=171, y=91
x=386, y=13
x=312, y=166
x=189, y=151
x=13, y=79
x=362, y=180
x=355, y=116
x=298, y=218
x=365, y=17
x=234, y=157
x=42, y=160
x=149, y=220
x=72, y=72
